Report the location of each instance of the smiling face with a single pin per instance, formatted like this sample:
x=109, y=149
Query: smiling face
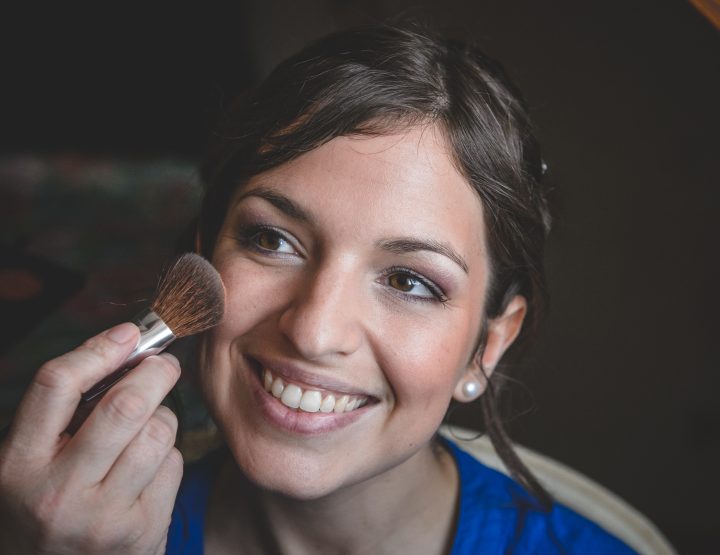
x=355, y=278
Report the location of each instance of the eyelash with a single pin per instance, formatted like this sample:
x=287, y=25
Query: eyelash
x=439, y=295
x=246, y=237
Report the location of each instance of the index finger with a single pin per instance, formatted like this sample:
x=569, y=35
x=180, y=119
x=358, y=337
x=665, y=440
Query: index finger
x=54, y=393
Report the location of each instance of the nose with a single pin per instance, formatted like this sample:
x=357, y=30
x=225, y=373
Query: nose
x=322, y=318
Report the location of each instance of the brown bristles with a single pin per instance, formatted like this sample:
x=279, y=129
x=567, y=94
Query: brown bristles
x=190, y=296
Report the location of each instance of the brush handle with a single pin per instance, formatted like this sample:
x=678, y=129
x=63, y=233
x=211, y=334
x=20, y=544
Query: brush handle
x=155, y=336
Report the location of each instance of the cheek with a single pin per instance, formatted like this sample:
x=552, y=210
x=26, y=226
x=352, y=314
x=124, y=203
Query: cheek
x=250, y=296
x=428, y=361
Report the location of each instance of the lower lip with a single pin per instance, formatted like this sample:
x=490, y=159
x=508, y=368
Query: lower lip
x=296, y=421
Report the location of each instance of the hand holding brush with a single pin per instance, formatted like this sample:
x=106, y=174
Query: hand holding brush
x=190, y=298
x=110, y=486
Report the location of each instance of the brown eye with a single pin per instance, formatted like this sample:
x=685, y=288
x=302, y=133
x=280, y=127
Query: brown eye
x=402, y=282
x=412, y=286
x=268, y=240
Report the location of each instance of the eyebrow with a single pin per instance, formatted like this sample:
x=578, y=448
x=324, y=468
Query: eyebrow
x=404, y=245
x=400, y=245
x=279, y=201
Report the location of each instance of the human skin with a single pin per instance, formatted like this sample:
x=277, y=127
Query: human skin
x=333, y=305
x=336, y=300
x=110, y=487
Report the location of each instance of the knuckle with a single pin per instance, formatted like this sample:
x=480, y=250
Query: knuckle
x=160, y=431
x=175, y=459
x=126, y=407
x=99, y=346
x=53, y=375
x=160, y=373
x=168, y=416
x=172, y=359
x=169, y=371
x=173, y=467
x=109, y=530
x=49, y=510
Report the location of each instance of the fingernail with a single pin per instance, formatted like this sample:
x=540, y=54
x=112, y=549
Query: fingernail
x=122, y=333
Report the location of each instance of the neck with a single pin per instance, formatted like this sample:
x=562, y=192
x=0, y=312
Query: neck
x=407, y=509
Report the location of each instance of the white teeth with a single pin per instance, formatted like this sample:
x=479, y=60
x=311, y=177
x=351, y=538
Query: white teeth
x=328, y=403
x=291, y=396
x=277, y=387
x=311, y=400
x=341, y=403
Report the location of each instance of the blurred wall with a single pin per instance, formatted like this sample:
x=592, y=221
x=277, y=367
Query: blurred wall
x=625, y=96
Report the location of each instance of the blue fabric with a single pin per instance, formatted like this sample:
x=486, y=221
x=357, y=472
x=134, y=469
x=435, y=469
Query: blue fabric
x=185, y=536
x=496, y=516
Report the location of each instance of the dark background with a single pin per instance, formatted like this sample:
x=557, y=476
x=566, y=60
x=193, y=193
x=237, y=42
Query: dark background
x=623, y=384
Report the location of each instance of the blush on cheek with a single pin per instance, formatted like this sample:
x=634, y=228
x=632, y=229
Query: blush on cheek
x=437, y=356
x=248, y=293
x=431, y=366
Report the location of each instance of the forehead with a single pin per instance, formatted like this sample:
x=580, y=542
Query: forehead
x=384, y=185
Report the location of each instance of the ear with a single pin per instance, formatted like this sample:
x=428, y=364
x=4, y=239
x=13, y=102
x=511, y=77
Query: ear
x=501, y=332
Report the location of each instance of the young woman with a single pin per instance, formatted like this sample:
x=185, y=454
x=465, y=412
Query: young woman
x=377, y=214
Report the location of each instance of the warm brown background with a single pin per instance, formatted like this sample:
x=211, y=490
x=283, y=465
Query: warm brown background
x=624, y=384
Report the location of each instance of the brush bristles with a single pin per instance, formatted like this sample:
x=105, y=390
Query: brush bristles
x=190, y=296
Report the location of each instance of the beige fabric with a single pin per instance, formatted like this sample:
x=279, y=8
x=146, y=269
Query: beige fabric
x=573, y=489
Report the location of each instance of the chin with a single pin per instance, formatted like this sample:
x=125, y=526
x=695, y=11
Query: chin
x=305, y=492
x=290, y=476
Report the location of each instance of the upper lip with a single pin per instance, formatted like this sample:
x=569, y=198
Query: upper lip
x=293, y=373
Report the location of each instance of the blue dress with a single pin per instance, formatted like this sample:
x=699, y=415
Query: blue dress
x=496, y=516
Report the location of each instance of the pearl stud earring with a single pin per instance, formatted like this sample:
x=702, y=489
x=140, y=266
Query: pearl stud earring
x=471, y=389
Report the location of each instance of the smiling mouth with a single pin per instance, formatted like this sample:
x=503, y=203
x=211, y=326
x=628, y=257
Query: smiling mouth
x=310, y=400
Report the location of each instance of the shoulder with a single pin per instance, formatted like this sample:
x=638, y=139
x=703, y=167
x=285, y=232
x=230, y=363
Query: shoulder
x=496, y=515
x=185, y=535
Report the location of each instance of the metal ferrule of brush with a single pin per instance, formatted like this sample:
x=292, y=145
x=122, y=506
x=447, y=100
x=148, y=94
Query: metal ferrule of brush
x=155, y=336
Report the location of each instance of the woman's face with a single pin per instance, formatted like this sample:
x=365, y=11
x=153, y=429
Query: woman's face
x=355, y=275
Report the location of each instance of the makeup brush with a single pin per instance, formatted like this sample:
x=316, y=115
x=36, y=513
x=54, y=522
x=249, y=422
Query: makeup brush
x=190, y=299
